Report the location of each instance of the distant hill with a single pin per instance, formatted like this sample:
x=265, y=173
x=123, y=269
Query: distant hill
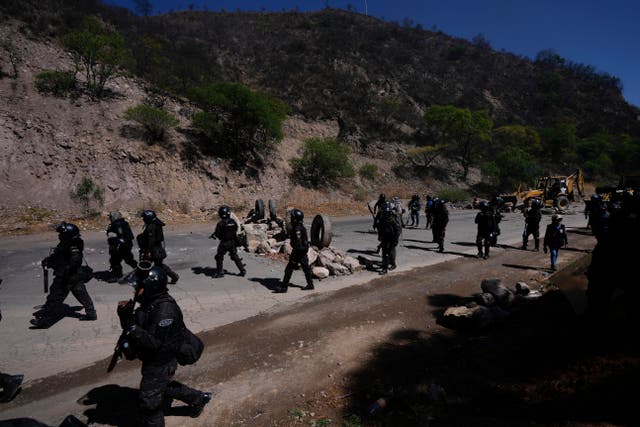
x=345, y=65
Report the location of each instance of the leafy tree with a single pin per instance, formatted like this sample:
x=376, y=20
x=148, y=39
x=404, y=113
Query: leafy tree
x=98, y=52
x=626, y=155
x=559, y=142
x=424, y=155
x=323, y=161
x=154, y=120
x=525, y=138
x=86, y=192
x=238, y=122
x=464, y=132
x=511, y=166
x=369, y=171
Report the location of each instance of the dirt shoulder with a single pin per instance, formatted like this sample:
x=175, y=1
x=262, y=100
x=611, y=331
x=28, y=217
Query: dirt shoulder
x=330, y=356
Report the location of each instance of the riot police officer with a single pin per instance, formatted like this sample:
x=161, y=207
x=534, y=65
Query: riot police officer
x=226, y=230
x=532, y=218
x=389, y=230
x=155, y=332
x=486, y=229
x=151, y=243
x=120, y=240
x=300, y=246
x=10, y=384
x=440, y=220
x=66, y=262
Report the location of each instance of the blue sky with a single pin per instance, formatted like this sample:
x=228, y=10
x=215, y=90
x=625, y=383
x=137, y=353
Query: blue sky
x=604, y=34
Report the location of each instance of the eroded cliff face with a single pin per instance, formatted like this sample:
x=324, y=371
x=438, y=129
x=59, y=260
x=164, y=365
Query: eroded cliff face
x=48, y=144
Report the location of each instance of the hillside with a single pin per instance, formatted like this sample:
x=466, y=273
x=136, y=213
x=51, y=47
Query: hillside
x=341, y=74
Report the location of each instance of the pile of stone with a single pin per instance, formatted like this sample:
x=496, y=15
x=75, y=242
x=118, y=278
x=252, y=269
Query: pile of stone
x=271, y=237
x=493, y=305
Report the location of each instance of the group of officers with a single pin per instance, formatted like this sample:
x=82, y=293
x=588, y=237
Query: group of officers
x=388, y=222
x=156, y=326
x=155, y=329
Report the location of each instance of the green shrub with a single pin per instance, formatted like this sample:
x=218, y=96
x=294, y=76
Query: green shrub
x=453, y=194
x=323, y=162
x=86, y=192
x=154, y=121
x=368, y=171
x=57, y=83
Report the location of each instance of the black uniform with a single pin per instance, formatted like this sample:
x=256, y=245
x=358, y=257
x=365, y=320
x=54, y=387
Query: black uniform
x=151, y=244
x=155, y=333
x=65, y=261
x=614, y=260
x=428, y=211
x=10, y=384
x=120, y=240
x=486, y=229
x=298, y=257
x=389, y=230
x=226, y=230
x=440, y=220
x=532, y=218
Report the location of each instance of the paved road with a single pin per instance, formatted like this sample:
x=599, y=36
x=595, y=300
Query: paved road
x=206, y=302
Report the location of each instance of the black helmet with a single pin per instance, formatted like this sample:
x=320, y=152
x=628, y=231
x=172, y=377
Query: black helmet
x=297, y=215
x=386, y=207
x=483, y=205
x=536, y=203
x=151, y=286
x=382, y=196
x=224, y=212
x=148, y=216
x=596, y=198
x=67, y=231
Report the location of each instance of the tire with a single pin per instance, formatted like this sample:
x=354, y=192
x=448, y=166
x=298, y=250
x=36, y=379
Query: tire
x=259, y=209
x=562, y=203
x=273, y=211
x=321, y=231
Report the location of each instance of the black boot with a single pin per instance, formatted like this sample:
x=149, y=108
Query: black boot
x=89, y=316
x=200, y=403
x=10, y=386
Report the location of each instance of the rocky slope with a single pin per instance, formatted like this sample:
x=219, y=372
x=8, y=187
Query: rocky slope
x=48, y=144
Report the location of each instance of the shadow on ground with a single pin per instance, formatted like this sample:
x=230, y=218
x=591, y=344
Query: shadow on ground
x=542, y=367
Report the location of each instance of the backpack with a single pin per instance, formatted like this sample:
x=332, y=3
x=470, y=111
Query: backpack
x=191, y=348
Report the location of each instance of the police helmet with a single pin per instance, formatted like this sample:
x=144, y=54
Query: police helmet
x=536, y=203
x=386, y=207
x=297, y=215
x=556, y=217
x=153, y=285
x=224, y=211
x=596, y=198
x=115, y=215
x=483, y=205
x=148, y=216
x=67, y=231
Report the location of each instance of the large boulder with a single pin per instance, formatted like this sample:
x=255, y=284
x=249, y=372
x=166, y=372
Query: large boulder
x=256, y=236
x=320, y=272
x=502, y=295
x=353, y=264
x=326, y=256
x=338, y=269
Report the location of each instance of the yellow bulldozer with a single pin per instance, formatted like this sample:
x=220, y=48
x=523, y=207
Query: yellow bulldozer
x=555, y=191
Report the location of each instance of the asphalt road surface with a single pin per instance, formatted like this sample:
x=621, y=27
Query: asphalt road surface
x=206, y=302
